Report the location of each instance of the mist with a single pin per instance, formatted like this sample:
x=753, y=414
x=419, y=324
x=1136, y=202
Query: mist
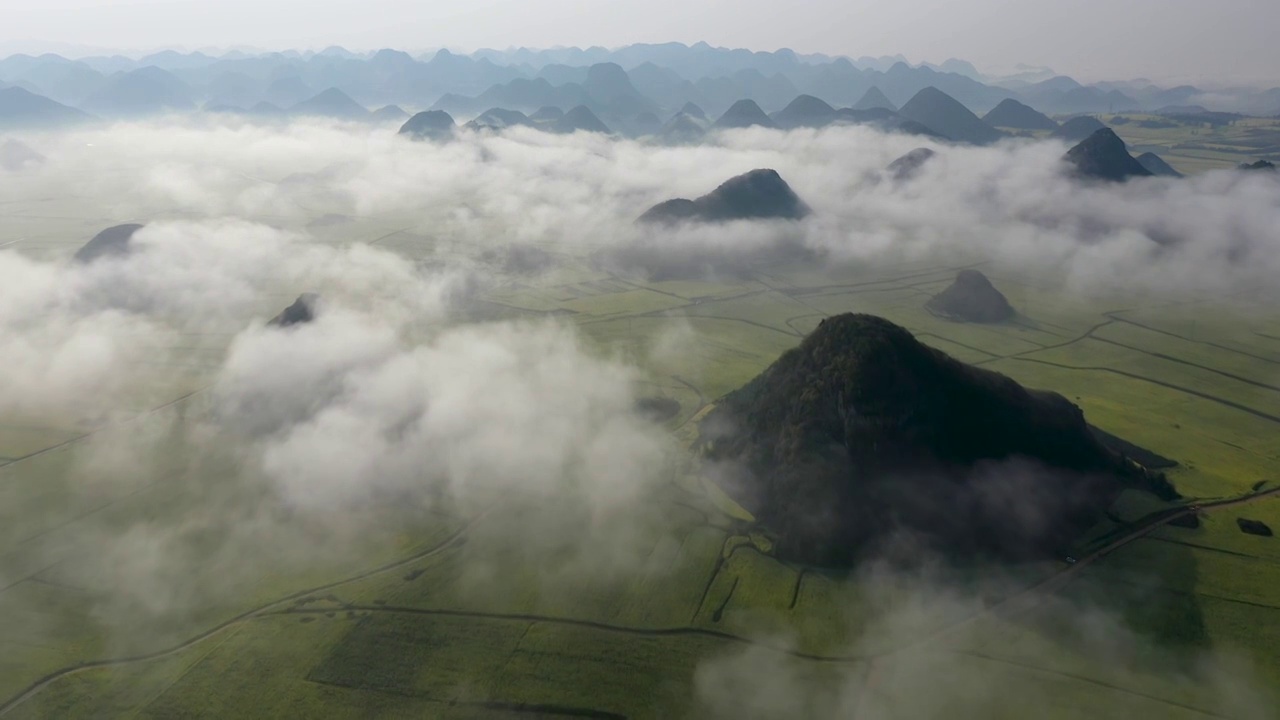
x=305, y=448
x=887, y=671
x=1011, y=204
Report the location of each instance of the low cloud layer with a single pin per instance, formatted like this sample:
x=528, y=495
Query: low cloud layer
x=303, y=437
x=1012, y=203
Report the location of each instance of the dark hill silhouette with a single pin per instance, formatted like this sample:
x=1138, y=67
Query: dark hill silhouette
x=804, y=111
x=909, y=165
x=757, y=194
x=1103, y=156
x=16, y=156
x=144, y=91
x=498, y=119
x=944, y=114
x=577, y=119
x=112, y=242
x=743, y=114
x=682, y=129
x=971, y=298
x=547, y=114
x=331, y=103
x=1157, y=166
x=389, y=113
x=1263, y=165
x=429, y=125
x=20, y=108
x=1012, y=114
x=874, y=98
x=862, y=433
x=693, y=111
x=302, y=311
x=1078, y=128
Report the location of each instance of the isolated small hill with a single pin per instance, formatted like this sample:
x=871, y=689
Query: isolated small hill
x=1263, y=165
x=579, y=118
x=1079, y=128
x=909, y=165
x=693, y=111
x=1157, y=166
x=547, y=113
x=16, y=156
x=20, y=108
x=499, y=119
x=971, y=298
x=389, y=113
x=429, y=125
x=331, y=103
x=804, y=111
x=1012, y=114
x=743, y=114
x=754, y=195
x=303, y=310
x=1103, y=156
x=112, y=242
x=682, y=129
x=863, y=433
x=874, y=98
x=944, y=114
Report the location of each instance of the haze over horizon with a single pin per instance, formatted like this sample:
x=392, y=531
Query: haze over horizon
x=1091, y=40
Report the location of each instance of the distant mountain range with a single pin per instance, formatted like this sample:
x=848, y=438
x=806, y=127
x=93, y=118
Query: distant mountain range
x=20, y=108
x=624, y=82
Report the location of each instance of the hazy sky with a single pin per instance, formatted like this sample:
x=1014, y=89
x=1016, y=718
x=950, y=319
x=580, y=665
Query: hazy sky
x=1093, y=39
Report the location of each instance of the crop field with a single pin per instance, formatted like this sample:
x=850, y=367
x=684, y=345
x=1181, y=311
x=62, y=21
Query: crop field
x=1191, y=149
x=442, y=616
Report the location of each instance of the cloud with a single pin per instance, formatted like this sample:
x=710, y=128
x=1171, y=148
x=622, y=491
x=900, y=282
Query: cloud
x=311, y=445
x=1010, y=204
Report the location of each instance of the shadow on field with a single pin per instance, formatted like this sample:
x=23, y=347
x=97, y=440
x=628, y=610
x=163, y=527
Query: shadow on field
x=1148, y=590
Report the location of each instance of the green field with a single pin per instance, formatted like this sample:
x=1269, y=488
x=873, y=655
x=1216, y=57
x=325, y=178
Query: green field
x=442, y=616
x=1192, y=148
